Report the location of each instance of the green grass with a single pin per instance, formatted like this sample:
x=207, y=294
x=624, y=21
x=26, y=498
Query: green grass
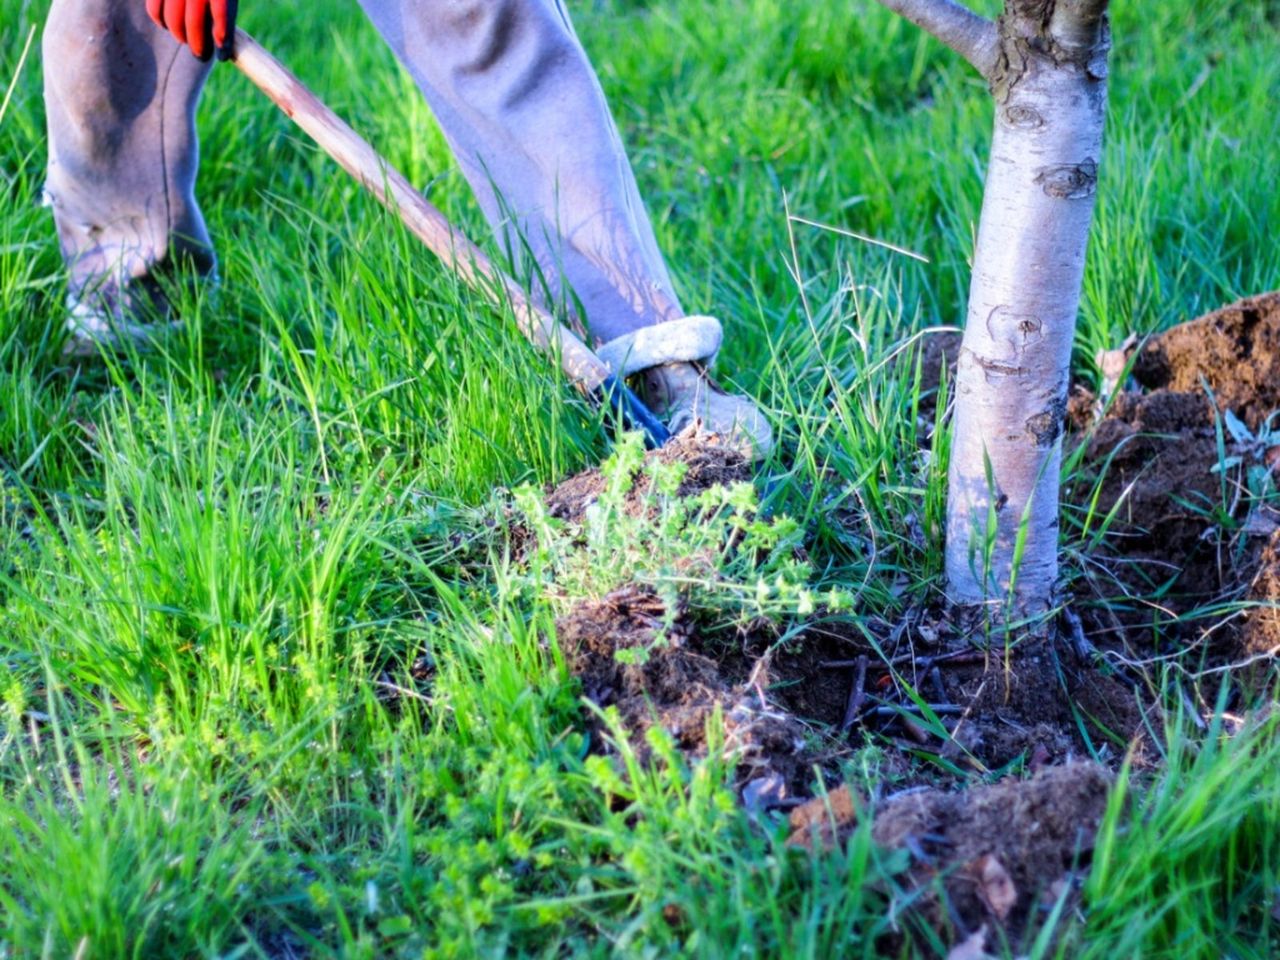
x=218, y=559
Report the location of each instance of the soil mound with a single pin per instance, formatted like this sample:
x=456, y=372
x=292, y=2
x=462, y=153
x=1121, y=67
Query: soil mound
x=634, y=655
x=1235, y=351
x=708, y=465
x=655, y=667
x=1174, y=471
x=1002, y=854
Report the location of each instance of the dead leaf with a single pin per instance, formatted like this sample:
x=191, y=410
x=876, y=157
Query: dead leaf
x=974, y=948
x=1112, y=364
x=995, y=886
x=818, y=815
x=764, y=793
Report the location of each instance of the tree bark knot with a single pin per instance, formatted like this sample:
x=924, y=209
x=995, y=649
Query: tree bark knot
x=1045, y=427
x=994, y=369
x=1059, y=33
x=1069, y=181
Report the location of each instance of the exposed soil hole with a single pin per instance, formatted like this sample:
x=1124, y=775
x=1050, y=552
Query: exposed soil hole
x=1002, y=855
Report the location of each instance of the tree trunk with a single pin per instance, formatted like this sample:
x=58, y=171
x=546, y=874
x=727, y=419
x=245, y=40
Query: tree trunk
x=1046, y=61
x=1050, y=87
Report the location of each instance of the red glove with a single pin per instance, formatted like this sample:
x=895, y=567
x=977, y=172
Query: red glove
x=205, y=25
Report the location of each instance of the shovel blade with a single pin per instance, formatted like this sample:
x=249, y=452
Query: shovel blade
x=616, y=395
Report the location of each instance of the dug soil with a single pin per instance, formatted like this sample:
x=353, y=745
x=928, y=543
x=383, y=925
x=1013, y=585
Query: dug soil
x=1173, y=471
x=674, y=685
x=1176, y=557
x=793, y=711
x=997, y=855
x=707, y=465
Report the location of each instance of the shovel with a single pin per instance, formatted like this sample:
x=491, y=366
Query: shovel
x=586, y=371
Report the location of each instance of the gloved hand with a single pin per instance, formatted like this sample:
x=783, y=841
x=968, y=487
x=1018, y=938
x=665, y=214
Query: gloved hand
x=207, y=26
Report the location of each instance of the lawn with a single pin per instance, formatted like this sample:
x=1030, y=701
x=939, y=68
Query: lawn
x=278, y=677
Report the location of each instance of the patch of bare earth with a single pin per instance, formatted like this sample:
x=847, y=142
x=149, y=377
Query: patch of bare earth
x=655, y=672
x=1166, y=463
x=998, y=856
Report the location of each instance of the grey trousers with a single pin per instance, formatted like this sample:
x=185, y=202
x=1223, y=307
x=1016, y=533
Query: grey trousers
x=507, y=80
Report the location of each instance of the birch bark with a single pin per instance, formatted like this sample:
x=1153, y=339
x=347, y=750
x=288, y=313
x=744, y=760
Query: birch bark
x=1049, y=79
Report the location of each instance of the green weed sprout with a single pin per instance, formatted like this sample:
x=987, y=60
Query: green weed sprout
x=712, y=552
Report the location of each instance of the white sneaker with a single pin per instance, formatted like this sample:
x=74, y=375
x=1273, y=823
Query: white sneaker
x=672, y=360
x=692, y=403
x=93, y=329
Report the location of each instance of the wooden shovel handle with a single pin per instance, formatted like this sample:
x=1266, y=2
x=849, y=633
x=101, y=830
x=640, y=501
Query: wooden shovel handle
x=587, y=371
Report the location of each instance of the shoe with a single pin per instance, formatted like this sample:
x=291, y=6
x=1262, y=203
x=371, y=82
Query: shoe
x=108, y=319
x=91, y=331
x=671, y=361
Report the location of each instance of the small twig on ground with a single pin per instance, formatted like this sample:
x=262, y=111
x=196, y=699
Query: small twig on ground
x=913, y=729
x=857, y=696
x=957, y=658
x=941, y=709
x=760, y=667
x=935, y=676
x=1085, y=651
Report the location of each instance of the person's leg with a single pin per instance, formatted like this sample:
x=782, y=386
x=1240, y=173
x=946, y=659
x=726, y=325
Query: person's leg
x=524, y=113
x=120, y=95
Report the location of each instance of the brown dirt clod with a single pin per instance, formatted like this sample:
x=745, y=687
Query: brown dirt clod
x=673, y=685
x=708, y=465
x=1235, y=351
x=1156, y=465
x=1002, y=853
